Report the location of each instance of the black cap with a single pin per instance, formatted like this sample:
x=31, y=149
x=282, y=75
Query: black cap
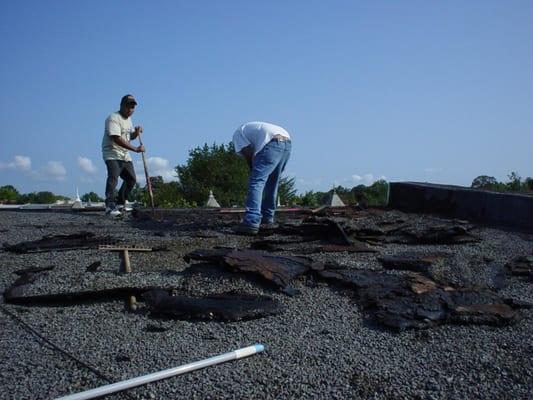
x=128, y=99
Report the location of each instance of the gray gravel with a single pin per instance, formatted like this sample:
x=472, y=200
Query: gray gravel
x=320, y=346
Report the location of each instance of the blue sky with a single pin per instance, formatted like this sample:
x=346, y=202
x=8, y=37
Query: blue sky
x=407, y=90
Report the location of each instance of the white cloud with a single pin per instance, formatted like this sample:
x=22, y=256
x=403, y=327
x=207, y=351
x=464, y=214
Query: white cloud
x=87, y=165
x=157, y=166
x=369, y=178
x=53, y=170
x=366, y=179
x=20, y=163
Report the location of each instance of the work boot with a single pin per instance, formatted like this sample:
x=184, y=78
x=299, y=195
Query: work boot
x=247, y=230
x=124, y=207
x=112, y=212
x=269, y=225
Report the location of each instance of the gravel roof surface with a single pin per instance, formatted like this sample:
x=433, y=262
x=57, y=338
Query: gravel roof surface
x=320, y=346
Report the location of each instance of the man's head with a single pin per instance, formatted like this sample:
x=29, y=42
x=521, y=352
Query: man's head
x=127, y=105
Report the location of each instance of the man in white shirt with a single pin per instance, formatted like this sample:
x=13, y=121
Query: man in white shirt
x=116, y=146
x=266, y=148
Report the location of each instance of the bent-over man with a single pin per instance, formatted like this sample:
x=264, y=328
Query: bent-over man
x=266, y=148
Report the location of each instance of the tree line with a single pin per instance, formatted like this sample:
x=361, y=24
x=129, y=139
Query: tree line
x=514, y=183
x=10, y=195
x=219, y=169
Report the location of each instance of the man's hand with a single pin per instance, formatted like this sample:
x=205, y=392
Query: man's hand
x=136, y=132
x=140, y=149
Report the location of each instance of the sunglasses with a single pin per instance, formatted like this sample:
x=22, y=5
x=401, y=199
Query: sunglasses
x=131, y=105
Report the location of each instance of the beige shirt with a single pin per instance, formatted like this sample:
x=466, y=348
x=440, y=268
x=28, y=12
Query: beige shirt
x=116, y=125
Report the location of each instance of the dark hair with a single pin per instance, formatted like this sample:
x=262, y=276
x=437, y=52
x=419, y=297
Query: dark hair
x=126, y=99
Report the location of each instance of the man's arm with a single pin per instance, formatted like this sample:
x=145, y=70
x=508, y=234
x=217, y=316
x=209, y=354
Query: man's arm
x=113, y=130
x=127, y=145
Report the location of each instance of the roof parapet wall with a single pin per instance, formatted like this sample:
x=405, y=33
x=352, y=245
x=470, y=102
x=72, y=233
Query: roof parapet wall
x=511, y=210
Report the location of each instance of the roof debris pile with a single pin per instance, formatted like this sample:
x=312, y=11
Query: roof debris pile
x=413, y=301
x=324, y=289
x=431, y=293
x=397, y=301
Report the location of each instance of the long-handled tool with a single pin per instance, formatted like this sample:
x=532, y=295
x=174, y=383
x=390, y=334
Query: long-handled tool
x=167, y=373
x=148, y=183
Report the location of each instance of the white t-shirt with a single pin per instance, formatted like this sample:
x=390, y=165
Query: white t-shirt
x=116, y=125
x=257, y=134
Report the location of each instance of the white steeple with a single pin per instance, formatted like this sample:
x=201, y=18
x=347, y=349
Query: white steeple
x=211, y=201
x=77, y=203
x=334, y=200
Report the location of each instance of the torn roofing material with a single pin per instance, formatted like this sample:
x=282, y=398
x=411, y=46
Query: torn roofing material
x=80, y=240
x=215, y=307
x=412, y=301
x=397, y=301
x=276, y=269
x=231, y=306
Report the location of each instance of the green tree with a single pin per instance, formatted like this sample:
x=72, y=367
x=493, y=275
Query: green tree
x=309, y=199
x=515, y=182
x=8, y=194
x=44, y=197
x=484, y=182
x=376, y=194
x=91, y=197
x=358, y=193
x=345, y=194
x=217, y=168
x=286, y=190
x=138, y=194
x=529, y=183
x=166, y=194
x=373, y=195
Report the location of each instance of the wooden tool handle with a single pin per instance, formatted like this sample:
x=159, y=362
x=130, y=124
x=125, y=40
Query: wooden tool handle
x=148, y=183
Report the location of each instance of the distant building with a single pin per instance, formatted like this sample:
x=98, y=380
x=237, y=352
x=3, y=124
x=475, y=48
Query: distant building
x=77, y=204
x=333, y=200
x=211, y=201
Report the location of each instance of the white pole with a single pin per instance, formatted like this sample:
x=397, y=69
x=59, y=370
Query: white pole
x=183, y=369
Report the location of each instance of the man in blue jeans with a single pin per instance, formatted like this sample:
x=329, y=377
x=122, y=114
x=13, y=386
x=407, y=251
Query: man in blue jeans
x=266, y=148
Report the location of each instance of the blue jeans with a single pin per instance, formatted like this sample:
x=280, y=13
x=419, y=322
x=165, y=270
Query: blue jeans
x=267, y=166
